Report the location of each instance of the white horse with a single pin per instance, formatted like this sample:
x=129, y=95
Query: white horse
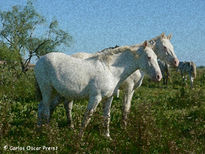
x=164, y=51
x=187, y=68
x=96, y=78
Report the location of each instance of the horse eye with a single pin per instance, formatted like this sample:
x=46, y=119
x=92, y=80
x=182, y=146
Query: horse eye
x=149, y=58
x=165, y=48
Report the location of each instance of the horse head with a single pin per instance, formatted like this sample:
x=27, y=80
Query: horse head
x=148, y=61
x=164, y=49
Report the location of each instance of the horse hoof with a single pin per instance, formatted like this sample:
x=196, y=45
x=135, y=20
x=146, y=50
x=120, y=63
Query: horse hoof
x=71, y=126
x=108, y=138
x=124, y=125
x=80, y=135
x=38, y=126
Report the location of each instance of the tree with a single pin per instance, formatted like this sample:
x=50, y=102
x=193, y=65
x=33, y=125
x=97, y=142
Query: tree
x=17, y=31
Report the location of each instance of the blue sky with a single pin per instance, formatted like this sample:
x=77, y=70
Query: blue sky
x=98, y=24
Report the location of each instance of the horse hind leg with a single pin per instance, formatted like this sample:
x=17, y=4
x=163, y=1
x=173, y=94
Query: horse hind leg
x=191, y=81
x=44, y=106
x=68, y=105
x=164, y=80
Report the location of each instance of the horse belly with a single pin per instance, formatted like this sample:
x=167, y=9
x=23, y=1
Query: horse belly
x=73, y=82
x=71, y=87
x=135, y=78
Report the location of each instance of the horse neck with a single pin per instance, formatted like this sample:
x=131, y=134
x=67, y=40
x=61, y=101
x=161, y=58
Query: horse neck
x=156, y=49
x=123, y=65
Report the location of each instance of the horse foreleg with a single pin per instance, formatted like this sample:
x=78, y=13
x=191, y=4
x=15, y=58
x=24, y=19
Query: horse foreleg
x=107, y=107
x=126, y=106
x=191, y=81
x=166, y=79
x=183, y=79
x=92, y=105
x=124, y=113
x=118, y=93
x=55, y=102
x=68, y=105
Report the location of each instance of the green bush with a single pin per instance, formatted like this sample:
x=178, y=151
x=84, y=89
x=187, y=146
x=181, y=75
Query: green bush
x=163, y=119
x=16, y=85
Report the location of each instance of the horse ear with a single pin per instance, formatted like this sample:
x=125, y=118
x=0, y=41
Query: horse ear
x=169, y=36
x=152, y=42
x=145, y=44
x=163, y=35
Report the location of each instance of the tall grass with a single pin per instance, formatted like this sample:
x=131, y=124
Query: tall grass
x=163, y=119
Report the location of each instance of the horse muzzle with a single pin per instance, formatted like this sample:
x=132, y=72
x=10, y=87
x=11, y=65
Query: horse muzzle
x=157, y=77
x=175, y=62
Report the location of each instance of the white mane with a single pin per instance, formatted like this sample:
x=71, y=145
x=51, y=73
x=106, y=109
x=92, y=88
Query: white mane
x=105, y=54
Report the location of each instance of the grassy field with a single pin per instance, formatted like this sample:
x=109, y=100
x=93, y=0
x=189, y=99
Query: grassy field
x=162, y=120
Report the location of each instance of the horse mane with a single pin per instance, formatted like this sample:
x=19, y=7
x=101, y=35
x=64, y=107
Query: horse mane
x=155, y=38
x=104, y=50
x=105, y=54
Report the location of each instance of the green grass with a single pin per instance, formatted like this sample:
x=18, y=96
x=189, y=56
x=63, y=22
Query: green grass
x=162, y=120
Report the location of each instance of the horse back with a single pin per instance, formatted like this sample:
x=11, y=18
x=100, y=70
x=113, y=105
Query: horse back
x=72, y=77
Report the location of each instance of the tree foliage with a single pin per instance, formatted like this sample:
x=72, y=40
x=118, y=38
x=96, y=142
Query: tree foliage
x=18, y=32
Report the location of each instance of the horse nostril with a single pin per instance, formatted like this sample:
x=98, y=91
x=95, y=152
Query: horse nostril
x=158, y=76
x=176, y=62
